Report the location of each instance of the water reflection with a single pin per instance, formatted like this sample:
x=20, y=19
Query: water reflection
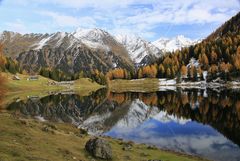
x=199, y=122
x=70, y=108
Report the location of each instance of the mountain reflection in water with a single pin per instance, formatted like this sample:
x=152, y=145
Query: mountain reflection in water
x=192, y=121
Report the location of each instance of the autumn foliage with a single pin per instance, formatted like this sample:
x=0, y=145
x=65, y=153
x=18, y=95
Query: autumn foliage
x=2, y=79
x=118, y=73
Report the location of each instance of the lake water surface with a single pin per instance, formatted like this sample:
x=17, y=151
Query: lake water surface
x=205, y=123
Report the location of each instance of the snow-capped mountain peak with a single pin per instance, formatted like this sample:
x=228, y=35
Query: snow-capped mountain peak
x=90, y=34
x=138, y=48
x=93, y=38
x=175, y=43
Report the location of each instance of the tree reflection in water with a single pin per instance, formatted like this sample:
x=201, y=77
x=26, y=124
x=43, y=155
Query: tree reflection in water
x=193, y=116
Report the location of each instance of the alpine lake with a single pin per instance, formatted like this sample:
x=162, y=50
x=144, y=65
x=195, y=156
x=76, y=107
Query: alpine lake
x=195, y=121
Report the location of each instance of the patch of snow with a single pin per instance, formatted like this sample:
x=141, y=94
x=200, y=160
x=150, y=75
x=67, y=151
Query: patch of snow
x=165, y=82
x=167, y=88
x=114, y=65
x=193, y=62
x=205, y=93
x=1, y=35
x=205, y=73
x=40, y=118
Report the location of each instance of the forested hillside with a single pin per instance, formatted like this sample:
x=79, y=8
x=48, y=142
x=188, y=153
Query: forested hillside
x=216, y=56
x=219, y=55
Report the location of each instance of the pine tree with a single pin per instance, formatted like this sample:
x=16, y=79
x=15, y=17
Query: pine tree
x=168, y=73
x=12, y=68
x=140, y=74
x=183, y=70
x=161, y=71
x=195, y=74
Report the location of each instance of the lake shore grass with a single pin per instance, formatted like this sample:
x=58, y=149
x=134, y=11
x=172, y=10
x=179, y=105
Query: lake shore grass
x=136, y=85
x=29, y=139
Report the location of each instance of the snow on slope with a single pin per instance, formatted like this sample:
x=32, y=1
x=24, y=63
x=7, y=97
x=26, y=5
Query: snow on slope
x=93, y=38
x=41, y=43
x=137, y=47
x=174, y=43
x=139, y=50
x=56, y=39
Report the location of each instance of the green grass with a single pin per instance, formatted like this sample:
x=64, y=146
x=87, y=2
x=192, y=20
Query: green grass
x=21, y=89
x=42, y=84
x=24, y=139
x=86, y=84
x=25, y=85
x=136, y=85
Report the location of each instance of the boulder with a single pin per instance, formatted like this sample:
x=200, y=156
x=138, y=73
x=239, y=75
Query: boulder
x=99, y=148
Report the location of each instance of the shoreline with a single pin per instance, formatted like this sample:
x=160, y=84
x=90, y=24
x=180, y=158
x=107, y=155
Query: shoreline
x=153, y=85
x=62, y=141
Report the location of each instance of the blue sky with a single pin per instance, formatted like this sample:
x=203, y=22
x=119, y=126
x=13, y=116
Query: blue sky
x=150, y=19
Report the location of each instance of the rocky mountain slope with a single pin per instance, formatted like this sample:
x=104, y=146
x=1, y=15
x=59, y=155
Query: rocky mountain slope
x=68, y=52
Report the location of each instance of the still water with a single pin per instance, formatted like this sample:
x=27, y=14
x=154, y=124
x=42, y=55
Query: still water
x=205, y=123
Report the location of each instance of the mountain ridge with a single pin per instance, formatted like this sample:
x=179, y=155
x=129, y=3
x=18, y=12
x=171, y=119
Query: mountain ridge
x=81, y=50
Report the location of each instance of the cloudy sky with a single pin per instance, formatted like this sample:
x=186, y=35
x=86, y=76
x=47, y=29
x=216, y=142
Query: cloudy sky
x=150, y=19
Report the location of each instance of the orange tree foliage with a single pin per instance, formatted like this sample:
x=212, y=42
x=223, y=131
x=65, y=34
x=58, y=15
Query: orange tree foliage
x=236, y=59
x=149, y=71
x=99, y=77
x=118, y=73
x=184, y=70
x=3, y=60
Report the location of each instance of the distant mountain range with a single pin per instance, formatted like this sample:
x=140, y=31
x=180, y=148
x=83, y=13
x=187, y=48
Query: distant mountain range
x=86, y=49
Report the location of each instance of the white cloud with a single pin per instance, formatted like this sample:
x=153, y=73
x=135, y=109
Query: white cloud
x=134, y=16
x=17, y=26
x=70, y=21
